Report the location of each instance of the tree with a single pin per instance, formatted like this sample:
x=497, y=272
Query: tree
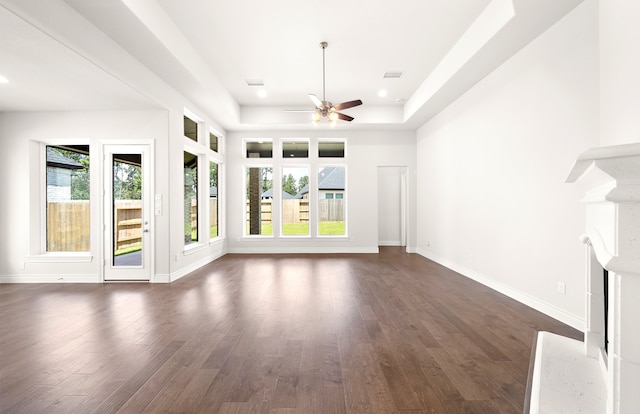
x=213, y=175
x=127, y=181
x=267, y=181
x=302, y=183
x=289, y=185
x=80, y=177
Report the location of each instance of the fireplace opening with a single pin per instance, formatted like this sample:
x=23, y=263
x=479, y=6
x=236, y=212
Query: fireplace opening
x=606, y=310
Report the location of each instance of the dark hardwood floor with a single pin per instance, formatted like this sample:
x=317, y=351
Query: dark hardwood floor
x=387, y=333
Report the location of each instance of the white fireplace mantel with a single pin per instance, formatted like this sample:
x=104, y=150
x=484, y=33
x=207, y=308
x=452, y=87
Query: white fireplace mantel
x=569, y=375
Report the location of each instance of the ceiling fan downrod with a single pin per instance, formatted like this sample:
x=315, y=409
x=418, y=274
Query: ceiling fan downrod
x=323, y=45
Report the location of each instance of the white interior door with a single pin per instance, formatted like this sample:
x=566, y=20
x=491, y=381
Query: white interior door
x=127, y=213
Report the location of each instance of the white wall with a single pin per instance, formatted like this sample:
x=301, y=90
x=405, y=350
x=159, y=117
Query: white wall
x=492, y=202
x=20, y=138
x=160, y=120
x=366, y=151
x=619, y=68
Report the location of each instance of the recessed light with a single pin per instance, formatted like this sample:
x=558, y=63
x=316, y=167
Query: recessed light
x=382, y=93
x=262, y=93
x=3, y=79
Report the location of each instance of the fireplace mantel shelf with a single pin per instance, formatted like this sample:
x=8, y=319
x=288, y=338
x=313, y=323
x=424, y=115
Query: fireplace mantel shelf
x=587, y=158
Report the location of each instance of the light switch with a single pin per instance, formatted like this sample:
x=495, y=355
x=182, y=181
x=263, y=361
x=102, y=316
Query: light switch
x=157, y=206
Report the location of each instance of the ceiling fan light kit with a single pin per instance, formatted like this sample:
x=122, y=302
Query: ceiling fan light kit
x=324, y=108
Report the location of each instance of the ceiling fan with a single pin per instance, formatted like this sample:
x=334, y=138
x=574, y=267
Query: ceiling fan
x=324, y=108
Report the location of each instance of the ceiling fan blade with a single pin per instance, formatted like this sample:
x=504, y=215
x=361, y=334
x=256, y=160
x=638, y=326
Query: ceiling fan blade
x=345, y=117
x=345, y=105
x=316, y=101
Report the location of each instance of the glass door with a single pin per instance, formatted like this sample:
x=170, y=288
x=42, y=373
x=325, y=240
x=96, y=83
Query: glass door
x=127, y=214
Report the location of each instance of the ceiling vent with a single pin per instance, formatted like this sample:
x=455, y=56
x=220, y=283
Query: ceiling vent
x=392, y=75
x=255, y=82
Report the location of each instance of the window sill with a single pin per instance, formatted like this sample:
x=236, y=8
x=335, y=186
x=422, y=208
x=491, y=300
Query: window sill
x=194, y=248
x=257, y=237
x=62, y=257
x=327, y=238
x=217, y=240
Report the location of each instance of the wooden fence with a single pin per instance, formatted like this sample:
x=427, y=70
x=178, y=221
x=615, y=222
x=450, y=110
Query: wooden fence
x=331, y=210
x=127, y=224
x=68, y=222
x=68, y=226
x=297, y=211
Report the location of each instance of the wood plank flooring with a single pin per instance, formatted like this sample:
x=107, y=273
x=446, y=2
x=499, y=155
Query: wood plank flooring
x=277, y=334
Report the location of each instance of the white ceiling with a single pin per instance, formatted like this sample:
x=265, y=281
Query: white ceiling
x=45, y=75
x=278, y=41
x=208, y=49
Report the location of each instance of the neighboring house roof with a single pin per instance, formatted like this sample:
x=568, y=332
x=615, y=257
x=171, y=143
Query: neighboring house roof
x=213, y=191
x=329, y=178
x=269, y=194
x=55, y=159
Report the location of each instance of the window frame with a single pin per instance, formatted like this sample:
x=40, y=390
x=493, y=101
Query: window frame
x=345, y=199
x=201, y=148
x=199, y=224
x=274, y=206
x=284, y=141
x=320, y=141
x=37, y=194
x=284, y=166
x=246, y=141
x=279, y=162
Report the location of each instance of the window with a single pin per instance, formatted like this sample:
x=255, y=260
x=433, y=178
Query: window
x=331, y=202
x=127, y=207
x=190, y=198
x=68, y=215
x=295, y=208
x=213, y=200
x=258, y=199
x=295, y=149
x=213, y=142
x=262, y=148
x=309, y=195
x=190, y=129
x=328, y=148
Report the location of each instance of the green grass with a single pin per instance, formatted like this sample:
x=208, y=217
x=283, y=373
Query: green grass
x=327, y=228
x=296, y=229
x=331, y=228
x=213, y=232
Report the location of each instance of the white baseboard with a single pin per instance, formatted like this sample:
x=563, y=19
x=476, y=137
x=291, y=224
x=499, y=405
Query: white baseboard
x=161, y=278
x=389, y=243
x=301, y=250
x=194, y=266
x=49, y=278
x=535, y=303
